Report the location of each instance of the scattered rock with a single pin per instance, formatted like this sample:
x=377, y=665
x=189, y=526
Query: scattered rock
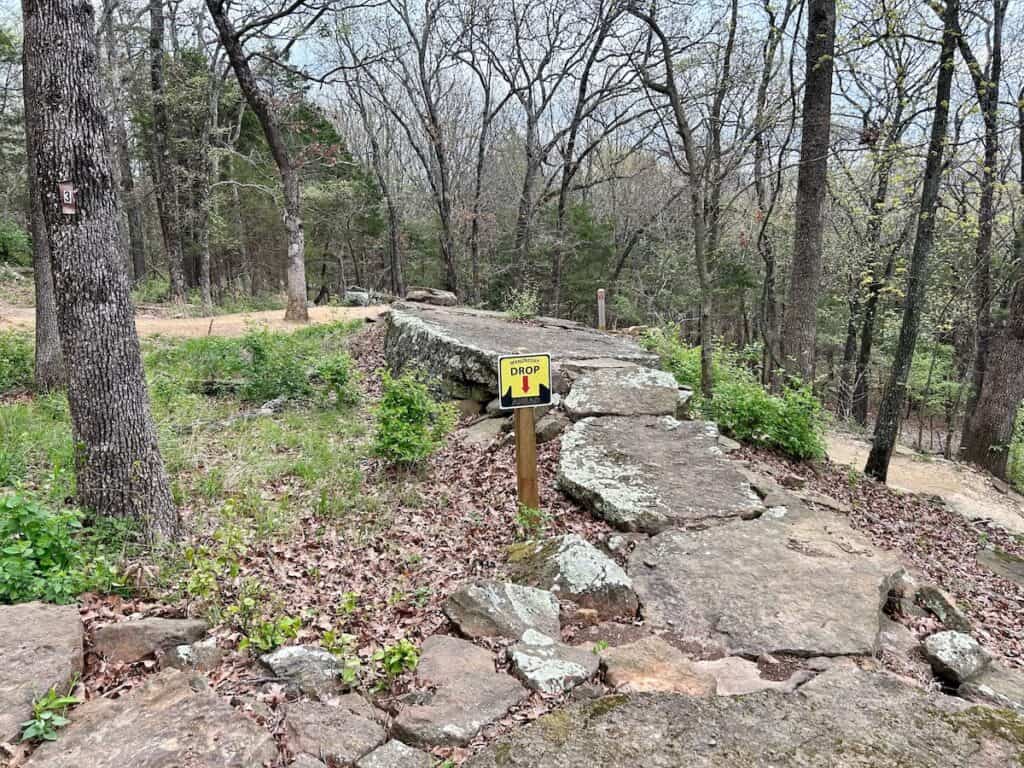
x=162, y=724
x=955, y=657
x=684, y=398
x=623, y=392
x=649, y=473
x=548, y=666
x=575, y=570
x=334, y=734
x=306, y=761
x=821, y=500
x=434, y=296
x=807, y=586
x=131, y=641
x=999, y=685
x=651, y=665
x=942, y=606
x=198, y=657
x=307, y=669
x=40, y=649
x=550, y=427
x=483, y=433
x=734, y=676
x=1001, y=563
x=500, y=609
x=467, y=694
x=467, y=409
x=495, y=410
x=395, y=754
x=895, y=639
x=792, y=481
x=728, y=445
x=846, y=718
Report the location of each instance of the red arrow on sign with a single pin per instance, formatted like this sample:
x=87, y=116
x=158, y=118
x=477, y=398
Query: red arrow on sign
x=526, y=383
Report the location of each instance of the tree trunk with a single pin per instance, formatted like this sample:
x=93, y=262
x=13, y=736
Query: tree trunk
x=119, y=469
x=290, y=184
x=799, y=323
x=888, y=422
x=49, y=361
x=163, y=166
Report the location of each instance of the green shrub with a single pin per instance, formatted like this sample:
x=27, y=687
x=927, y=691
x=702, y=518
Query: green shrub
x=269, y=635
x=792, y=421
x=396, y=659
x=16, y=360
x=340, y=376
x=15, y=244
x=276, y=368
x=151, y=290
x=411, y=424
x=522, y=303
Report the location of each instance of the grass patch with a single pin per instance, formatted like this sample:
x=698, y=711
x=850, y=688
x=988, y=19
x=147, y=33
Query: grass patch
x=16, y=361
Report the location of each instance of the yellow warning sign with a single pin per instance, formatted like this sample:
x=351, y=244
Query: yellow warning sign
x=524, y=380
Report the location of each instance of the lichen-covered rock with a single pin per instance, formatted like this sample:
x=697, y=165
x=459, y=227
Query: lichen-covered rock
x=499, y=609
x=461, y=346
x=466, y=694
x=434, y=296
x=549, y=427
x=131, y=641
x=573, y=569
x=307, y=669
x=482, y=434
x=164, y=724
x=652, y=665
x=395, y=754
x=199, y=657
x=623, y=392
x=999, y=685
x=651, y=473
x=807, y=585
x=845, y=718
x=942, y=607
x=956, y=657
x=336, y=734
x=548, y=666
x=40, y=649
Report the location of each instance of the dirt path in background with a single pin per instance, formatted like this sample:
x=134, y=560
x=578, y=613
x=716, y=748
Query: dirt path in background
x=965, y=489
x=222, y=325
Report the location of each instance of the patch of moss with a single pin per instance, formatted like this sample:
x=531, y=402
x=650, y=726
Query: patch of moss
x=521, y=551
x=606, y=704
x=985, y=722
x=557, y=726
x=503, y=754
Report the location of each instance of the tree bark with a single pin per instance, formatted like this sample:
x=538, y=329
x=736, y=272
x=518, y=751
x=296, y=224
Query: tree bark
x=799, y=323
x=49, y=360
x=163, y=166
x=888, y=422
x=290, y=183
x=119, y=468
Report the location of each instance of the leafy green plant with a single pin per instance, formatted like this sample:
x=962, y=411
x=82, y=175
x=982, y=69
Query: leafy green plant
x=348, y=604
x=16, y=361
x=49, y=713
x=396, y=659
x=530, y=523
x=266, y=636
x=411, y=424
x=343, y=646
x=15, y=244
x=275, y=370
x=341, y=378
x=522, y=303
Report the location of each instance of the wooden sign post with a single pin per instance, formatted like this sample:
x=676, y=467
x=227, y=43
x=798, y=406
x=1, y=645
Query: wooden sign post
x=600, y=310
x=524, y=382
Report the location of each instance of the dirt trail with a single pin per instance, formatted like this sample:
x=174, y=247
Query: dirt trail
x=222, y=325
x=965, y=489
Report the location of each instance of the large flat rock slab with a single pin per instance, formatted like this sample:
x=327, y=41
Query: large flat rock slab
x=461, y=346
x=164, y=724
x=650, y=473
x=810, y=587
x=625, y=392
x=843, y=719
x=40, y=648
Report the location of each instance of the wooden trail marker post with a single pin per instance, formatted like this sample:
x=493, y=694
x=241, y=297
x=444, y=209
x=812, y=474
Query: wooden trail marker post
x=524, y=382
x=601, y=324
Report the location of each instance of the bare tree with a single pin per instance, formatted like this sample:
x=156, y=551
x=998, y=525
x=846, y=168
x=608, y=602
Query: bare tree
x=119, y=468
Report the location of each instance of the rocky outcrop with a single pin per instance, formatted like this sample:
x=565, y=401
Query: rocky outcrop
x=651, y=473
x=999, y=685
x=955, y=657
x=624, y=392
x=130, y=641
x=575, y=570
x=809, y=586
x=845, y=718
x=337, y=734
x=465, y=694
x=434, y=296
x=652, y=665
x=161, y=725
x=548, y=666
x=395, y=754
x=499, y=609
x=306, y=669
x=40, y=649
x=199, y=657
x=461, y=346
